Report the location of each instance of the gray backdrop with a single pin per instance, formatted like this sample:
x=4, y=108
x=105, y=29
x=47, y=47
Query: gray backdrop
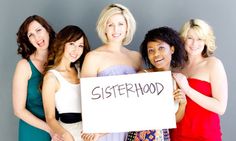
x=219, y=14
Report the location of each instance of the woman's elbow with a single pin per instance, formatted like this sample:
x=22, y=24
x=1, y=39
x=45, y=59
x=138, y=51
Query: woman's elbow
x=222, y=111
x=50, y=119
x=18, y=112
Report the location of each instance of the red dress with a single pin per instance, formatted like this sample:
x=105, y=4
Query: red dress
x=198, y=124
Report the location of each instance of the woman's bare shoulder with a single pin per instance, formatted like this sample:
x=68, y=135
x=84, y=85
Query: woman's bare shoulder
x=134, y=53
x=213, y=62
x=23, y=66
x=215, y=66
x=94, y=54
x=23, y=62
x=50, y=79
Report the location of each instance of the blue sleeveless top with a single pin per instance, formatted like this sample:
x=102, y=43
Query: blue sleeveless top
x=117, y=70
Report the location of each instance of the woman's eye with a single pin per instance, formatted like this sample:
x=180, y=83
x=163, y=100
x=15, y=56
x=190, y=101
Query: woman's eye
x=150, y=50
x=81, y=46
x=161, y=48
x=29, y=35
x=71, y=43
x=38, y=30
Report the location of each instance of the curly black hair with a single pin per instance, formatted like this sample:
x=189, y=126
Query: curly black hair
x=171, y=37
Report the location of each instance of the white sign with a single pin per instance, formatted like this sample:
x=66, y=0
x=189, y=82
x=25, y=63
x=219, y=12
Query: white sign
x=131, y=102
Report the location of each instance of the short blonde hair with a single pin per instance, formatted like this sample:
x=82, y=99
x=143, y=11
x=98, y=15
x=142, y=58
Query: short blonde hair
x=111, y=10
x=204, y=32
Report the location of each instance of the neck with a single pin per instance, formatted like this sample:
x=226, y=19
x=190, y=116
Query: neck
x=41, y=55
x=114, y=46
x=193, y=60
x=64, y=65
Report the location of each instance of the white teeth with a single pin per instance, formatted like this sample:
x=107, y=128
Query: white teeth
x=40, y=43
x=193, y=48
x=73, y=55
x=158, y=60
x=116, y=35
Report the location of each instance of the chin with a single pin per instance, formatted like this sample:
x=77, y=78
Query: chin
x=74, y=60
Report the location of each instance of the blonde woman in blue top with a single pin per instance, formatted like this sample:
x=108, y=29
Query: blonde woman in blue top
x=116, y=27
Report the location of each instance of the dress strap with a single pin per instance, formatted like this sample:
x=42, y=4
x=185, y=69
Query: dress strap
x=58, y=76
x=33, y=67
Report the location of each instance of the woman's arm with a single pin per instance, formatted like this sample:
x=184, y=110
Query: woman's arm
x=137, y=60
x=219, y=87
x=90, y=68
x=19, y=95
x=218, y=102
x=50, y=86
x=179, y=97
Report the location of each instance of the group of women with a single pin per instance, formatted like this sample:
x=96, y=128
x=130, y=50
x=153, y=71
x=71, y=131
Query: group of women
x=46, y=83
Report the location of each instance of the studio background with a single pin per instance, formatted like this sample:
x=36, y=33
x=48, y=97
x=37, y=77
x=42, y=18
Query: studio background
x=84, y=13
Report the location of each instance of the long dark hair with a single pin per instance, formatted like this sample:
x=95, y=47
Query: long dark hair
x=69, y=33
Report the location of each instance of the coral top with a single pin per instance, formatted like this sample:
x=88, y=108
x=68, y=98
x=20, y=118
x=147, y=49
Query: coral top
x=198, y=124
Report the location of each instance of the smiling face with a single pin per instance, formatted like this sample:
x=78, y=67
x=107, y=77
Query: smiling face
x=116, y=28
x=38, y=35
x=159, y=54
x=73, y=50
x=194, y=45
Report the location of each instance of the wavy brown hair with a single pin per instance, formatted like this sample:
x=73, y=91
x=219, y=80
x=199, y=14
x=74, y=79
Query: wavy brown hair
x=25, y=48
x=70, y=33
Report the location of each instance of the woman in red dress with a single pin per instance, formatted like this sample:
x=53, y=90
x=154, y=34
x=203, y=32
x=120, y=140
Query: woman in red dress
x=204, y=81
